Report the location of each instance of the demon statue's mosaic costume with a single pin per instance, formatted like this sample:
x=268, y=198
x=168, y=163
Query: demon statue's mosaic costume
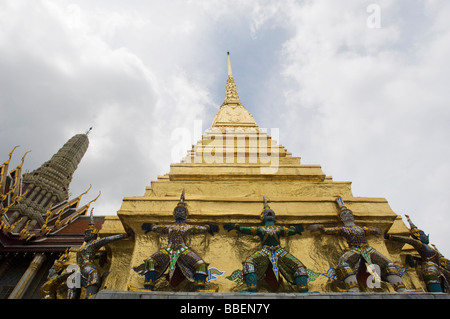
x=181, y=261
x=435, y=275
x=86, y=255
x=360, y=253
x=272, y=256
x=56, y=278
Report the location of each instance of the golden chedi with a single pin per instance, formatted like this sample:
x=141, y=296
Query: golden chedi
x=224, y=177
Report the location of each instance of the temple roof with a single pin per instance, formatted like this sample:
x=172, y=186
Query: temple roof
x=35, y=206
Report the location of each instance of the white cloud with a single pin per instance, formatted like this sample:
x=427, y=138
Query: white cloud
x=369, y=105
x=377, y=103
x=72, y=67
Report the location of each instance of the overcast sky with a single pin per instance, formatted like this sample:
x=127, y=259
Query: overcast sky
x=359, y=87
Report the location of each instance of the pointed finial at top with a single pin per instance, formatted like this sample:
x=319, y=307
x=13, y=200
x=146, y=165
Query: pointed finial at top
x=341, y=204
x=88, y=131
x=182, y=197
x=91, y=218
x=231, y=95
x=91, y=226
x=229, y=65
x=10, y=154
x=266, y=202
x=411, y=224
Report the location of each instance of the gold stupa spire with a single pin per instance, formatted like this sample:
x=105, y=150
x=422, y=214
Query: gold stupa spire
x=232, y=112
x=231, y=95
x=232, y=170
x=230, y=73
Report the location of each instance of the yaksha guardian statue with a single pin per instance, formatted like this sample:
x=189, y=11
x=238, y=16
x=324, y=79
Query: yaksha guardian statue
x=360, y=258
x=181, y=261
x=435, y=275
x=86, y=259
x=272, y=259
x=56, y=279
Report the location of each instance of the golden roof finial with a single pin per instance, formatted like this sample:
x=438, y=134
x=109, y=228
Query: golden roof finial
x=229, y=65
x=99, y=193
x=10, y=154
x=231, y=95
x=16, y=174
x=90, y=186
x=232, y=113
x=89, y=204
x=23, y=158
x=4, y=171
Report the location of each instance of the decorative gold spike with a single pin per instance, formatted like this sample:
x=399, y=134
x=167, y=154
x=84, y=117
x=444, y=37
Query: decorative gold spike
x=5, y=209
x=10, y=228
x=231, y=94
x=17, y=199
x=88, y=204
x=182, y=196
x=49, y=212
x=45, y=229
x=58, y=222
x=24, y=232
x=4, y=171
x=3, y=196
x=91, y=225
x=17, y=175
x=29, y=236
x=90, y=186
x=266, y=206
x=23, y=158
x=230, y=73
x=266, y=202
x=10, y=155
x=76, y=214
x=14, y=200
x=411, y=224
